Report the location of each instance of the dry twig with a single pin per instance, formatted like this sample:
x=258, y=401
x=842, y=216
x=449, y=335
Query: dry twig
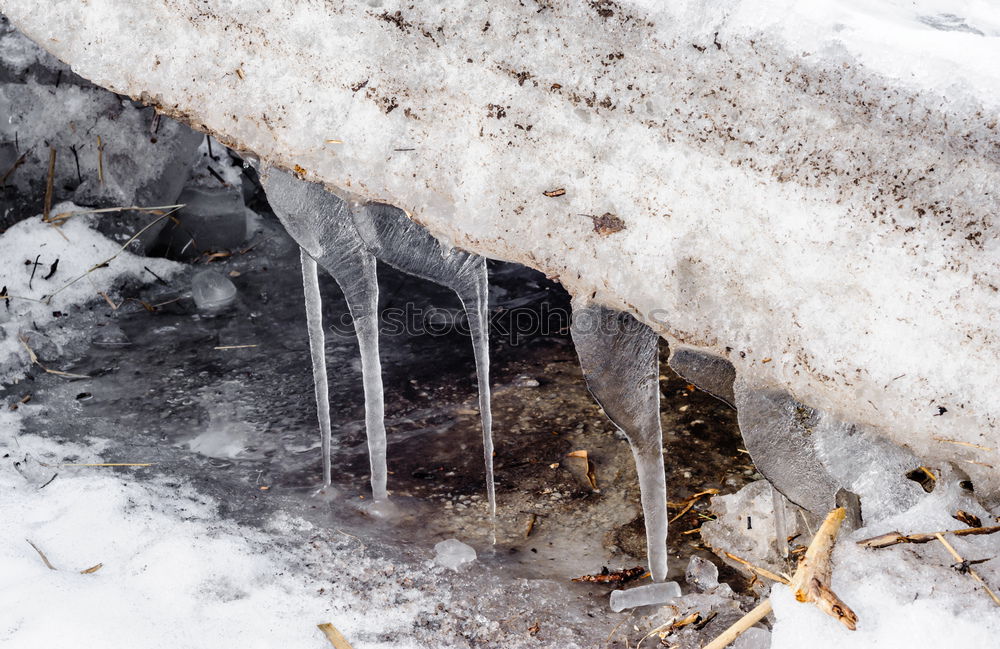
x=49, y=184
x=894, y=538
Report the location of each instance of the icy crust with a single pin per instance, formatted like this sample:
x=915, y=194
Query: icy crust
x=39, y=295
x=825, y=223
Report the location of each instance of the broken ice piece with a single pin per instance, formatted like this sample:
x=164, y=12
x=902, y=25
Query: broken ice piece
x=753, y=638
x=646, y=595
x=702, y=574
x=34, y=471
x=453, y=554
x=212, y=291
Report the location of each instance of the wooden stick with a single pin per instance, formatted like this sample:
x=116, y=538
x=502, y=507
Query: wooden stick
x=759, y=612
x=972, y=573
x=334, y=636
x=49, y=184
x=812, y=578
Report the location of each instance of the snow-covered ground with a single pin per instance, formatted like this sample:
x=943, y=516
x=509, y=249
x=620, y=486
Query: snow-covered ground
x=182, y=564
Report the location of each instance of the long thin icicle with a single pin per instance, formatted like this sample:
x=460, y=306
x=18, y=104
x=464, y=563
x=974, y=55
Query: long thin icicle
x=620, y=361
x=360, y=286
x=479, y=330
x=317, y=348
x=396, y=240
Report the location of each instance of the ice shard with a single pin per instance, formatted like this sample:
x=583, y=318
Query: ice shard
x=620, y=361
x=323, y=227
x=396, y=240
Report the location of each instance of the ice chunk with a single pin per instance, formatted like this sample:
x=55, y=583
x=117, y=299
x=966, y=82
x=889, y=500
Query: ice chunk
x=619, y=357
x=33, y=471
x=701, y=573
x=212, y=291
x=317, y=348
x=393, y=238
x=110, y=335
x=645, y=595
x=453, y=554
x=322, y=224
x=746, y=526
x=753, y=638
x=212, y=218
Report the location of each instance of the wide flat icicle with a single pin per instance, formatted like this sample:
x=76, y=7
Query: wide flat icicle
x=620, y=360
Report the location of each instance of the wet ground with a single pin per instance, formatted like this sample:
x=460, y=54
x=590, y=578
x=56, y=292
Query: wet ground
x=225, y=402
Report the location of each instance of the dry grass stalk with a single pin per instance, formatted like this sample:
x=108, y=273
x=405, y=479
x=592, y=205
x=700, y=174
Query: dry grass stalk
x=690, y=502
x=894, y=538
x=971, y=572
x=955, y=441
x=334, y=636
x=763, y=572
x=34, y=361
x=49, y=184
x=45, y=559
x=17, y=163
x=92, y=569
x=157, y=210
x=110, y=259
x=109, y=464
x=235, y=346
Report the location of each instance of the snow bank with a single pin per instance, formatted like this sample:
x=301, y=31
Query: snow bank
x=808, y=192
x=67, y=257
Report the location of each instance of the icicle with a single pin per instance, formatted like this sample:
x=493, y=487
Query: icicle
x=713, y=374
x=620, y=361
x=401, y=243
x=321, y=223
x=317, y=348
x=777, y=431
